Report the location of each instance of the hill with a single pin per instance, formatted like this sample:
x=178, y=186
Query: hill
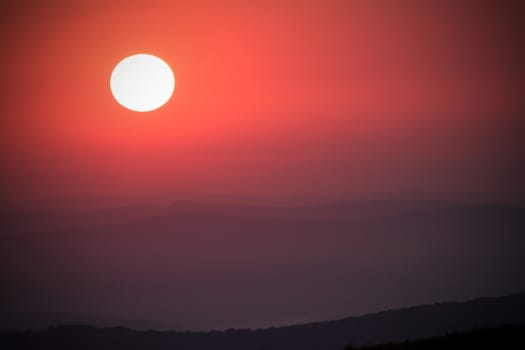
x=504, y=337
x=384, y=327
x=202, y=267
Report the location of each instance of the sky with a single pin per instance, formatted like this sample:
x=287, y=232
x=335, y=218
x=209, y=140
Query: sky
x=411, y=102
x=272, y=98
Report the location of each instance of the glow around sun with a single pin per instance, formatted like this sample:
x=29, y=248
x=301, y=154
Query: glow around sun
x=142, y=82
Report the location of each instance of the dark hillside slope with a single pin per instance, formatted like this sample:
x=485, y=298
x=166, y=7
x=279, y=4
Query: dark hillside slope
x=384, y=327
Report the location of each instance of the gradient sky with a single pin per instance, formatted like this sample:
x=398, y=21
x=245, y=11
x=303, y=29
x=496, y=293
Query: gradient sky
x=349, y=99
x=272, y=97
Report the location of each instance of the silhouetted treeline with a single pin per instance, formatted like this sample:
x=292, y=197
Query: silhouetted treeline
x=384, y=327
x=85, y=337
x=505, y=337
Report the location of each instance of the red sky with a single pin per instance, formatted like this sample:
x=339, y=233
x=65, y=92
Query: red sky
x=401, y=99
x=271, y=97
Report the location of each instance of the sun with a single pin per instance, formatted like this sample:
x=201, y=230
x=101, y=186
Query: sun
x=142, y=82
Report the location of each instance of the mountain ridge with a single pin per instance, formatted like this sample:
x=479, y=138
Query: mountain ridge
x=388, y=326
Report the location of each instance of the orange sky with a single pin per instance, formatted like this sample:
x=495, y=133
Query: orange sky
x=271, y=97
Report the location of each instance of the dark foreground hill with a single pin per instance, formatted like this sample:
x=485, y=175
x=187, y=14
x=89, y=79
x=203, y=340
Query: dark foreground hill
x=504, y=337
x=384, y=327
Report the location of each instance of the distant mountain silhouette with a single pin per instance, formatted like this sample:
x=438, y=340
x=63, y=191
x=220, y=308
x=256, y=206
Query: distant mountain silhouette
x=219, y=265
x=384, y=327
x=69, y=214
x=43, y=320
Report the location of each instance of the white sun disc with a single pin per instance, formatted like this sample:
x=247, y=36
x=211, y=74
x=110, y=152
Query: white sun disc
x=142, y=82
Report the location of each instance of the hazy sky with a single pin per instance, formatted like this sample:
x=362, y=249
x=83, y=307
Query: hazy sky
x=271, y=97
